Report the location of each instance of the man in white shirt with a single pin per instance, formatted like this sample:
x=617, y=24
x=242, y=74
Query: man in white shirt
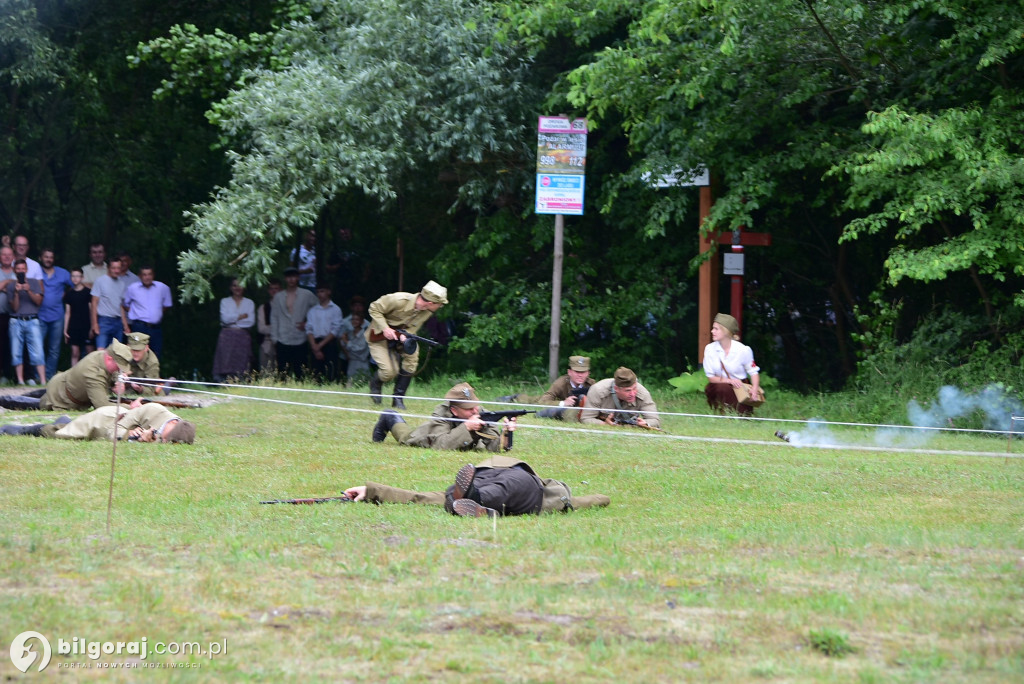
x=97, y=265
x=21, y=252
x=323, y=328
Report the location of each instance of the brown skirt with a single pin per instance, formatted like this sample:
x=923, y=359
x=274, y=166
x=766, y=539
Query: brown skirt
x=720, y=395
x=234, y=353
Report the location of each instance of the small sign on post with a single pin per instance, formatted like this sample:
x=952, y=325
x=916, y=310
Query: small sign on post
x=561, y=165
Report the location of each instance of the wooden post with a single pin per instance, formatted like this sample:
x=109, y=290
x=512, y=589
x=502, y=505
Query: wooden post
x=556, y=299
x=707, y=305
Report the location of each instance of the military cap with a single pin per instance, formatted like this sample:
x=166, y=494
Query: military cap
x=121, y=354
x=432, y=292
x=184, y=432
x=729, y=323
x=462, y=396
x=137, y=341
x=624, y=377
x=579, y=363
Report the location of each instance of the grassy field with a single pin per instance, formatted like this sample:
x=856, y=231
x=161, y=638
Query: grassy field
x=717, y=561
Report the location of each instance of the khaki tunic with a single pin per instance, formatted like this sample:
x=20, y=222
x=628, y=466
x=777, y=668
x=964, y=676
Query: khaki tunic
x=445, y=431
x=86, y=384
x=98, y=425
x=148, y=367
x=555, y=492
x=601, y=402
x=396, y=310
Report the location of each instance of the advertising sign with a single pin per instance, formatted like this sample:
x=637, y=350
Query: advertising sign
x=561, y=165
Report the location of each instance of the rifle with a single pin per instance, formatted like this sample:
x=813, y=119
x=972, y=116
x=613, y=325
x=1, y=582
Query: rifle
x=311, y=500
x=409, y=345
x=619, y=419
x=496, y=416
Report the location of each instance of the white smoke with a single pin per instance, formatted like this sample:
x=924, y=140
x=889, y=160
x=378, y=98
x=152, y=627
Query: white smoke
x=995, y=406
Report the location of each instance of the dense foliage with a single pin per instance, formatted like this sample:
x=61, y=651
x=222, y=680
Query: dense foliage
x=879, y=145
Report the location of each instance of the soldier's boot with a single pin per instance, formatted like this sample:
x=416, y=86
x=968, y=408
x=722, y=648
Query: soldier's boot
x=550, y=412
x=384, y=424
x=468, y=508
x=464, y=488
x=401, y=387
x=23, y=430
x=375, y=386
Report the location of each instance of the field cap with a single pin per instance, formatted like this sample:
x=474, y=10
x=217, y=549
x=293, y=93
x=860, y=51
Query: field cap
x=624, y=377
x=579, y=363
x=121, y=354
x=729, y=323
x=137, y=341
x=434, y=293
x=462, y=396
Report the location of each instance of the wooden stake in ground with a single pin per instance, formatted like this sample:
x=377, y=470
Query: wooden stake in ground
x=113, y=454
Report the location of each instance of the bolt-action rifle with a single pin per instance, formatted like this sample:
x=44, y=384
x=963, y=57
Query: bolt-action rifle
x=497, y=416
x=619, y=419
x=311, y=500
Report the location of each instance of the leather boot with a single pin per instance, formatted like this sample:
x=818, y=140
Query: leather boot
x=375, y=387
x=401, y=387
x=384, y=424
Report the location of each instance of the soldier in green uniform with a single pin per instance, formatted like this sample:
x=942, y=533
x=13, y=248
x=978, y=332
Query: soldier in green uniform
x=89, y=382
x=568, y=391
x=144, y=363
x=405, y=311
x=501, y=485
x=455, y=424
x=621, y=400
x=147, y=423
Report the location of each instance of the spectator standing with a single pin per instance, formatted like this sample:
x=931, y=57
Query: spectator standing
x=323, y=328
x=51, y=313
x=21, y=252
x=233, y=357
x=107, y=292
x=25, y=295
x=77, y=319
x=97, y=265
x=126, y=267
x=356, y=348
x=143, y=307
x=268, y=353
x=304, y=259
x=288, y=320
x=6, y=275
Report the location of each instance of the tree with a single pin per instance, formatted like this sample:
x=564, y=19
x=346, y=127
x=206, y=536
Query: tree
x=373, y=94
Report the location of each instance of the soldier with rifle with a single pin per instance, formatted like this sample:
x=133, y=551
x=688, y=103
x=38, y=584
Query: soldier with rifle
x=456, y=424
x=501, y=485
x=394, y=320
x=568, y=391
x=621, y=400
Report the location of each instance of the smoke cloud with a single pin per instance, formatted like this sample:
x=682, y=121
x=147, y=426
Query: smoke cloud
x=995, y=406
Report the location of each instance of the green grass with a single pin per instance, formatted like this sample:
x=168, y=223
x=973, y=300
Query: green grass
x=715, y=562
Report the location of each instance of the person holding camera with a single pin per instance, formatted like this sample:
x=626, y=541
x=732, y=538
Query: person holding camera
x=408, y=312
x=24, y=296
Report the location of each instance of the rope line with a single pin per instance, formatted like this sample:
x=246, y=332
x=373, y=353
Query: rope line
x=150, y=382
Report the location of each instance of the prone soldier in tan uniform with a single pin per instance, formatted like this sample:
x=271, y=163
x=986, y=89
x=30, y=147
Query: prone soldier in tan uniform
x=501, y=485
x=147, y=423
x=404, y=311
x=568, y=391
x=621, y=400
x=455, y=424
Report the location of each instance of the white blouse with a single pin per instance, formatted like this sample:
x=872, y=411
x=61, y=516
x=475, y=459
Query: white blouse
x=230, y=312
x=739, y=361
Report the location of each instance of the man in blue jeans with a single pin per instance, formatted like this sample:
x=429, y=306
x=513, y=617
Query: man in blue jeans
x=51, y=311
x=24, y=295
x=107, y=293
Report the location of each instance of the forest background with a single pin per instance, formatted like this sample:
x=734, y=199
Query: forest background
x=879, y=143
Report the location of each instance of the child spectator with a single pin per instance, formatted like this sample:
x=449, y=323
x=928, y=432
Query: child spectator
x=76, y=317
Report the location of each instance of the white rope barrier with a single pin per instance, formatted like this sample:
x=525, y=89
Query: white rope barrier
x=376, y=410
